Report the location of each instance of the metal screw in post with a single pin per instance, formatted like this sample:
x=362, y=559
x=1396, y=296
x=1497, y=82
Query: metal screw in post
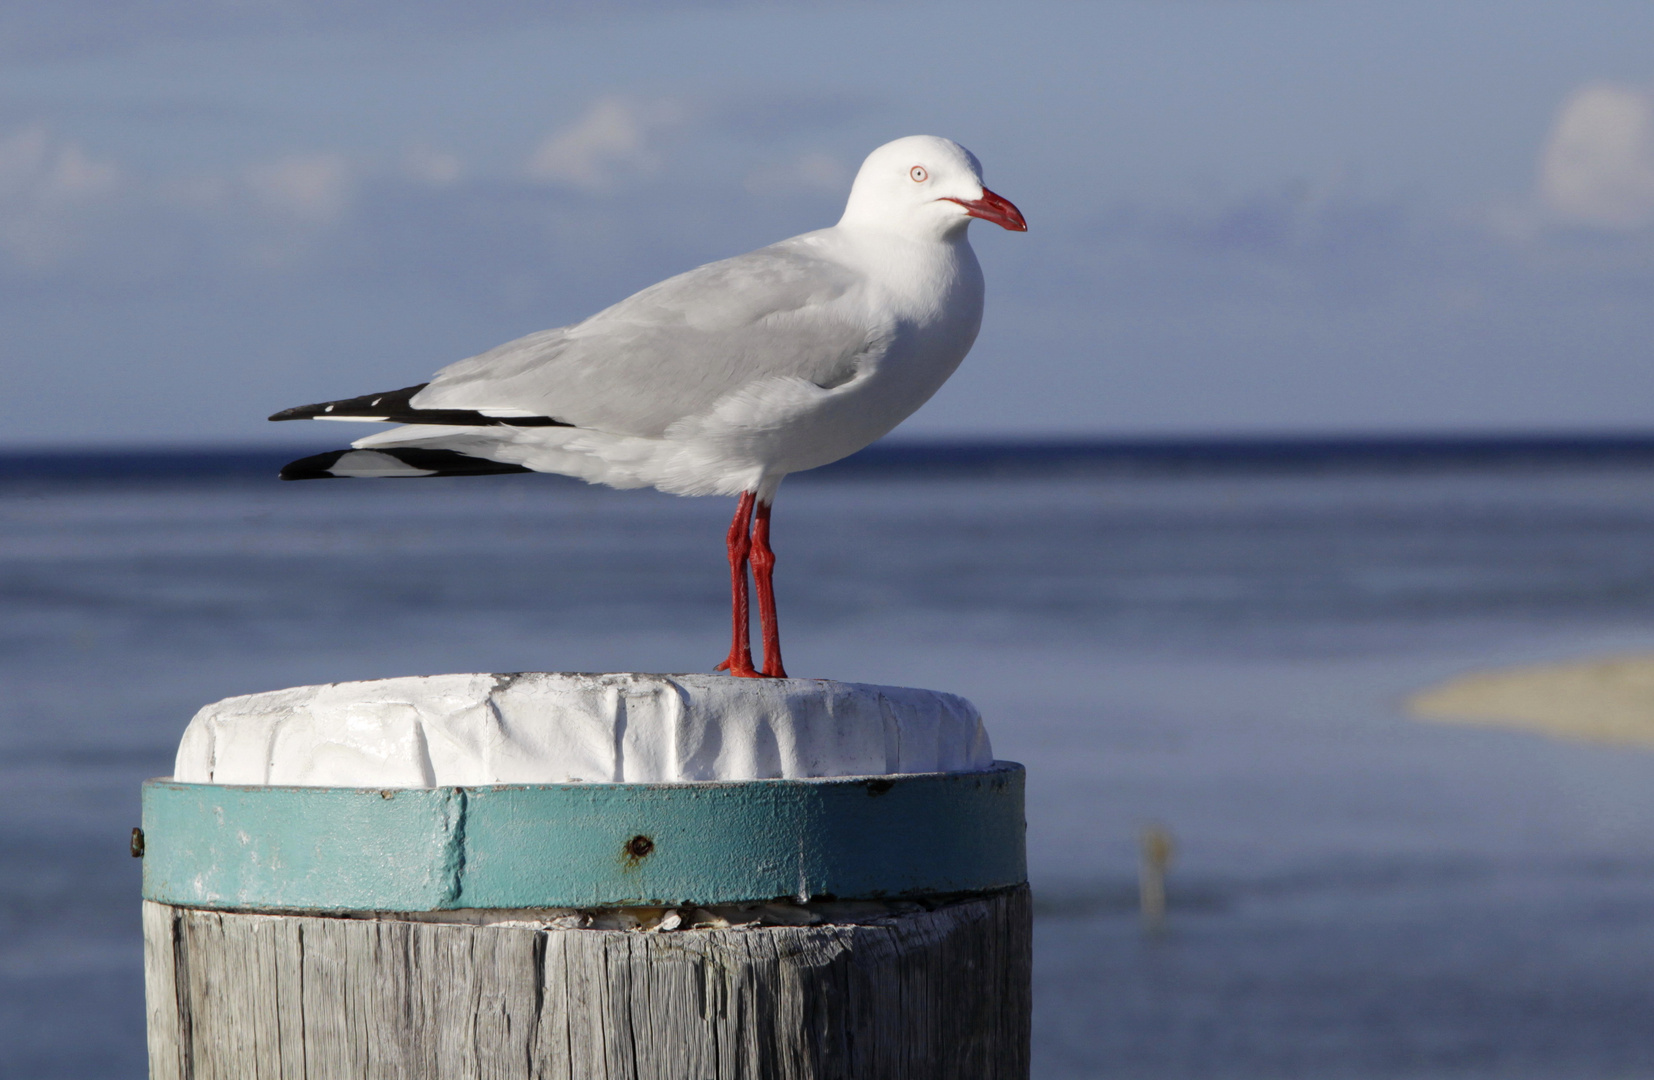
x=1157, y=851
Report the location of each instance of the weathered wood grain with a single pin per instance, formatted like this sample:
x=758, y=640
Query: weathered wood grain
x=928, y=994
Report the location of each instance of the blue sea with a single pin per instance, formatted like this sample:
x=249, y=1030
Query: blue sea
x=1211, y=641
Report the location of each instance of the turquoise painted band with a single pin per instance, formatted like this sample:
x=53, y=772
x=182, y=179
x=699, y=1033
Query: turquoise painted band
x=582, y=845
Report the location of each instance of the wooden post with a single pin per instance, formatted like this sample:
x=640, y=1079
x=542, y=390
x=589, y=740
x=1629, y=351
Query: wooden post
x=861, y=927
x=928, y=994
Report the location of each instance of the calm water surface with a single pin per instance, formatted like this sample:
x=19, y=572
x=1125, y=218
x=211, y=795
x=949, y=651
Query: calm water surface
x=1353, y=894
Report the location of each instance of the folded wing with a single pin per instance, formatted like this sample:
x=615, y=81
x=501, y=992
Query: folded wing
x=675, y=349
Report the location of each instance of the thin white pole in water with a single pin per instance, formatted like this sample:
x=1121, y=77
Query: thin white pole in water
x=1157, y=849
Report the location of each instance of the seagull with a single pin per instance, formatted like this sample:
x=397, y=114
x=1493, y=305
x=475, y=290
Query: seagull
x=724, y=379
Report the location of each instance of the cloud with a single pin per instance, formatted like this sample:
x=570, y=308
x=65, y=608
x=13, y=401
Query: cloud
x=1305, y=221
x=615, y=137
x=33, y=164
x=429, y=165
x=50, y=190
x=313, y=189
x=64, y=210
x=1597, y=167
x=808, y=174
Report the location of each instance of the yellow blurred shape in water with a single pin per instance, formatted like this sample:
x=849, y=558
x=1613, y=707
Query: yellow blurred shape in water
x=1602, y=700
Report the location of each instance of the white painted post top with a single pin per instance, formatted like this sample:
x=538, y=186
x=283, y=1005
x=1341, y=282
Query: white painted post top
x=555, y=727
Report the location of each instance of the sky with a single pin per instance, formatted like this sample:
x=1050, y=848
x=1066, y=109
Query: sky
x=1245, y=217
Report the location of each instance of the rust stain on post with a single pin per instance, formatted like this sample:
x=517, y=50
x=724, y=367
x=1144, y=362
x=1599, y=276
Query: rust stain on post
x=637, y=849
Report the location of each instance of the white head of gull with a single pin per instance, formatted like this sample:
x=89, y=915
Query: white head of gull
x=722, y=380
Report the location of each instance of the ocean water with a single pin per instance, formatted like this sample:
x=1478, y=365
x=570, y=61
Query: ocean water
x=1224, y=654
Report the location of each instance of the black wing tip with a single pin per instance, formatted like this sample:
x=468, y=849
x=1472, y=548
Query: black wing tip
x=315, y=467
x=412, y=462
x=381, y=404
x=396, y=407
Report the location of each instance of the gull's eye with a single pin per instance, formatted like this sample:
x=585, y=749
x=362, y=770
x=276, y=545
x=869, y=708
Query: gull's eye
x=919, y=174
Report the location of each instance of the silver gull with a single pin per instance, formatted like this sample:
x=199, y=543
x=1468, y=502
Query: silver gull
x=722, y=380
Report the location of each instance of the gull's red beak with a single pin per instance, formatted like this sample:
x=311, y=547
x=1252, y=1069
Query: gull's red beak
x=997, y=209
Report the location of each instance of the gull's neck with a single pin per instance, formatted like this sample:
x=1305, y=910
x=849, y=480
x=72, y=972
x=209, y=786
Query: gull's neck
x=915, y=271
x=879, y=240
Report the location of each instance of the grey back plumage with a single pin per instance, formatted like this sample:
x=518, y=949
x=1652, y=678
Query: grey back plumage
x=678, y=347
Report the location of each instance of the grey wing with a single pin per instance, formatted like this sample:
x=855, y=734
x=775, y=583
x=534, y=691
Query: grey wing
x=676, y=348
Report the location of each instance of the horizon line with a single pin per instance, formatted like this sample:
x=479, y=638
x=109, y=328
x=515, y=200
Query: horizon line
x=986, y=455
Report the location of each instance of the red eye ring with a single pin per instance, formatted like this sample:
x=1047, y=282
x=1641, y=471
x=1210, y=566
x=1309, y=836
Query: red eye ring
x=919, y=174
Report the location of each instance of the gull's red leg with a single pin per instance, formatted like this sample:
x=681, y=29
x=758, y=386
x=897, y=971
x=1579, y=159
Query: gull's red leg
x=763, y=576
x=740, y=547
